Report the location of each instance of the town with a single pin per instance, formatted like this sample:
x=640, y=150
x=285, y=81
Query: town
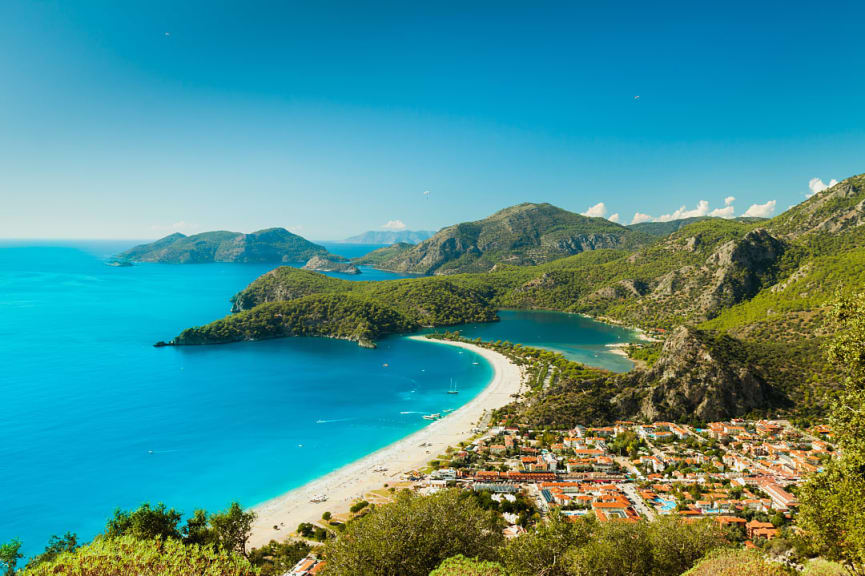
x=742, y=474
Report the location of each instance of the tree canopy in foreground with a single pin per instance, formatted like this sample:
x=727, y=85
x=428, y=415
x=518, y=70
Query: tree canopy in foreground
x=413, y=535
x=832, y=508
x=128, y=555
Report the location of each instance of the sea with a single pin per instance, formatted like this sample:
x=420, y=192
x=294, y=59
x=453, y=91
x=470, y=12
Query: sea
x=94, y=418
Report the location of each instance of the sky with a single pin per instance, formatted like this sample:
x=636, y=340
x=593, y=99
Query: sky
x=138, y=119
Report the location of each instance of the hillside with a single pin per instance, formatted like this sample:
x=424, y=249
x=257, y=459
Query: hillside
x=520, y=235
x=670, y=226
x=270, y=245
x=390, y=237
x=377, y=257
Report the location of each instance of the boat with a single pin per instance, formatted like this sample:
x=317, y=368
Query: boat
x=435, y=416
x=446, y=410
x=453, y=388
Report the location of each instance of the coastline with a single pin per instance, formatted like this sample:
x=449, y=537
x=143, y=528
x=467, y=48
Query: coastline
x=346, y=484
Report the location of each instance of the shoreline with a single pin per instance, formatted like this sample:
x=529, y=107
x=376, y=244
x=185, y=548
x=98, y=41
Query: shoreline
x=348, y=483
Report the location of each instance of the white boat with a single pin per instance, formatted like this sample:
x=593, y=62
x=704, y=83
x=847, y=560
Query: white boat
x=435, y=416
x=453, y=388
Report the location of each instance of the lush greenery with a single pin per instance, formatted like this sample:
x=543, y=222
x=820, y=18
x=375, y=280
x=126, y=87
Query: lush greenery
x=462, y=566
x=447, y=533
x=277, y=558
x=413, y=535
x=381, y=255
x=270, y=245
x=562, y=547
x=737, y=563
x=831, y=501
x=158, y=540
x=144, y=557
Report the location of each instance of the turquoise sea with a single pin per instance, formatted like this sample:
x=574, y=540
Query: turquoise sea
x=93, y=417
x=578, y=338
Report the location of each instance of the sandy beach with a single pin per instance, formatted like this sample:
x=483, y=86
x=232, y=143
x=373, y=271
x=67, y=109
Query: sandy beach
x=352, y=481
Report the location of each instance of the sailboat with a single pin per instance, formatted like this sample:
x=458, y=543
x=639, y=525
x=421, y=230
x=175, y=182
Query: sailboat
x=453, y=388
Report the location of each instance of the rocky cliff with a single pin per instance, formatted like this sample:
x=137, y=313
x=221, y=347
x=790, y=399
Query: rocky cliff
x=697, y=376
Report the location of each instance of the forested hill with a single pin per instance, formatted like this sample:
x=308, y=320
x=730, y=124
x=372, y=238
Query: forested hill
x=292, y=302
x=270, y=245
x=522, y=235
x=753, y=291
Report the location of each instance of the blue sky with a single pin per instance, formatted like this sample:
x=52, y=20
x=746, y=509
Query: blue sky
x=136, y=119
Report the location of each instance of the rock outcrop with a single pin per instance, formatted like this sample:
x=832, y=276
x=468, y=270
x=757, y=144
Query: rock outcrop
x=698, y=376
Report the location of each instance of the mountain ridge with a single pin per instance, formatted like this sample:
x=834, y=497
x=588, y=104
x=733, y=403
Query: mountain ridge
x=390, y=237
x=527, y=233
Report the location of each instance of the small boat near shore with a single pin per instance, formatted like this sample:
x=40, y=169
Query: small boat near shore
x=435, y=416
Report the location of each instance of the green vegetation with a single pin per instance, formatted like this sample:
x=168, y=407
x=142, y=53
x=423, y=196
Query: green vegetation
x=830, y=509
x=291, y=302
x=270, y=245
x=413, y=535
x=57, y=545
x=417, y=534
x=381, y=255
x=562, y=547
x=10, y=554
x=462, y=566
x=277, y=558
x=154, y=557
x=737, y=563
x=228, y=530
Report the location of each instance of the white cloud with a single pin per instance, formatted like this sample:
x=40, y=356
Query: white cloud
x=728, y=201
x=761, y=210
x=182, y=226
x=599, y=210
x=638, y=217
x=702, y=209
x=725, y=212
x=816, y=185
x=394, y=225
x=614, y=217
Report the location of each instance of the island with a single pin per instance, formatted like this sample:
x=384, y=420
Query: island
x=269, y=245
